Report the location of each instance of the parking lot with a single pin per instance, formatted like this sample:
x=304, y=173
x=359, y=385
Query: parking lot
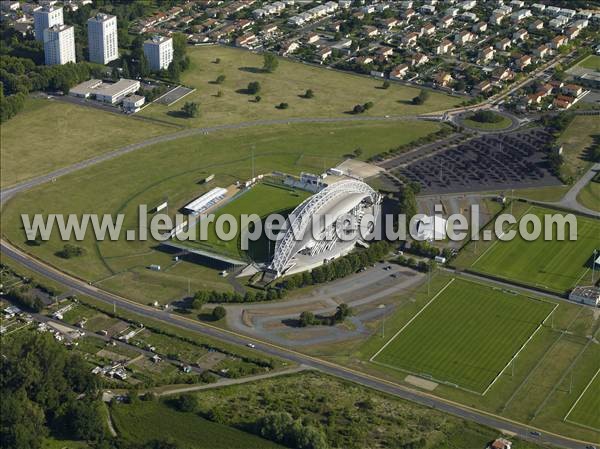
x=174, y=95
x=491, y=162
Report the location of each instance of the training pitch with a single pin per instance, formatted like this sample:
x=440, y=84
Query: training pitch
x=584, y=412
x=466, y=335
x=552, y=265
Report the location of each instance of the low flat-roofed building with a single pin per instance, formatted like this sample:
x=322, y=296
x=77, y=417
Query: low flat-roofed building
x=106, y=92
x=589, y=295
x=85, y=89
x=591, y=79
x=115, y=92
x=133, y=103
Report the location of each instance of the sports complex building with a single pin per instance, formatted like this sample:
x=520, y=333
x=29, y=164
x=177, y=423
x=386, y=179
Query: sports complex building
x=308, y=242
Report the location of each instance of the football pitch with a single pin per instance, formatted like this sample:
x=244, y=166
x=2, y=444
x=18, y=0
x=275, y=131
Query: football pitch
x=586, y=409
x=466, y=335
x=263, y=199
x=552, y=265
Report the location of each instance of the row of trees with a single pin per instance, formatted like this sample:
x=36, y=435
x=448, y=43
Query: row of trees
x=282, y=428
x=203, y=296
x=337, y=268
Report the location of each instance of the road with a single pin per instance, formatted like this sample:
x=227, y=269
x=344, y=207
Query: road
x=9, y=192
x=419, y=397
x=569, y=201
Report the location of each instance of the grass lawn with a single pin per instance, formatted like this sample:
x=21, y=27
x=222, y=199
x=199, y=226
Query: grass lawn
x=49, y=134
x=589, y=196
x=335, y=92
x=262, y=199
x=585, y=410
x=172, y=170
x=146, y=421
x=466, y=335
x=576, y=139
x=591, y=62
x=504, y=123
x=553, y=265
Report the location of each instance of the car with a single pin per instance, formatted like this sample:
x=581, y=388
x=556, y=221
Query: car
x=590, y=446
x=251, y=345
x=535, y=433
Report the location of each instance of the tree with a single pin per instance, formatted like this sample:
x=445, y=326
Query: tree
x=257, y=99
x=421, y=98
x=174, y=71
x=282, y=106
x=342, y=312
x=386, y=84
x=219, y=313
x=270, y=63
x=253, y=87
x=187, y=403
x=200, y=298
x=191, y=109
x=309, y=93
x=358, y=109
x=69, y=251
x=220, y=79
x=368, y=105
x=306, y=319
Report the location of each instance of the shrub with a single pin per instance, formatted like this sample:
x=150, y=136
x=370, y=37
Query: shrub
x=219, y=313
x=282, y=106
x=253, y=87
x=191, y=109
x=309, y=93
x=220, y=79
x=69, y=251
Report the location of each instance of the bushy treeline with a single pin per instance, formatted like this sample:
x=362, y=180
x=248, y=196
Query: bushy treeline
x=282, y=428
x=46, y=390
x=19, y=76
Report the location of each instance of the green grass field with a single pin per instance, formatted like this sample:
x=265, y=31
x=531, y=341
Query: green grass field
x=335, y=92
x=147, y=421
x=466, y=335
x=591, y=62
x=173, y=170
x=552, y=265
x=49, y=134
x=576, y=139
x=262, y=200
x=504, y=123
x=586, y=410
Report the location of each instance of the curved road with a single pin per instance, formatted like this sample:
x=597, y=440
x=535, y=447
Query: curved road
x=333, y=369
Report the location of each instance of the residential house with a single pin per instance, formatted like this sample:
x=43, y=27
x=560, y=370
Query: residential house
x=363, y=60
x=572, y=32
x=563, y=102
x=427, y=9
x=443, y=79
x=572, y=89
x=418, y=59
x=487, y=54
x=463, y=37
x=370, y=31
x=410, y=39
x=399, y=72
x=558, y=41
x=479, y=27
x=446, y=21
x=542, y=51
x=502, y=74
x=536, y=25
x=523, y=62
x=427, y=30
x=324, y=53
x=482, y=87
x=444, y=47
x=289, y=47
x=386, y=52
x=503, y=45
x=520, y=35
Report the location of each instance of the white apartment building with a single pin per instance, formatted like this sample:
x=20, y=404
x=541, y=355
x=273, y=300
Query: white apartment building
x=46, y=17
x=59, y=44
x=159, y=51
x=102, y=38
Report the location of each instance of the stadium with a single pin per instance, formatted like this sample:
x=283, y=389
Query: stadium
x=302, y=245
